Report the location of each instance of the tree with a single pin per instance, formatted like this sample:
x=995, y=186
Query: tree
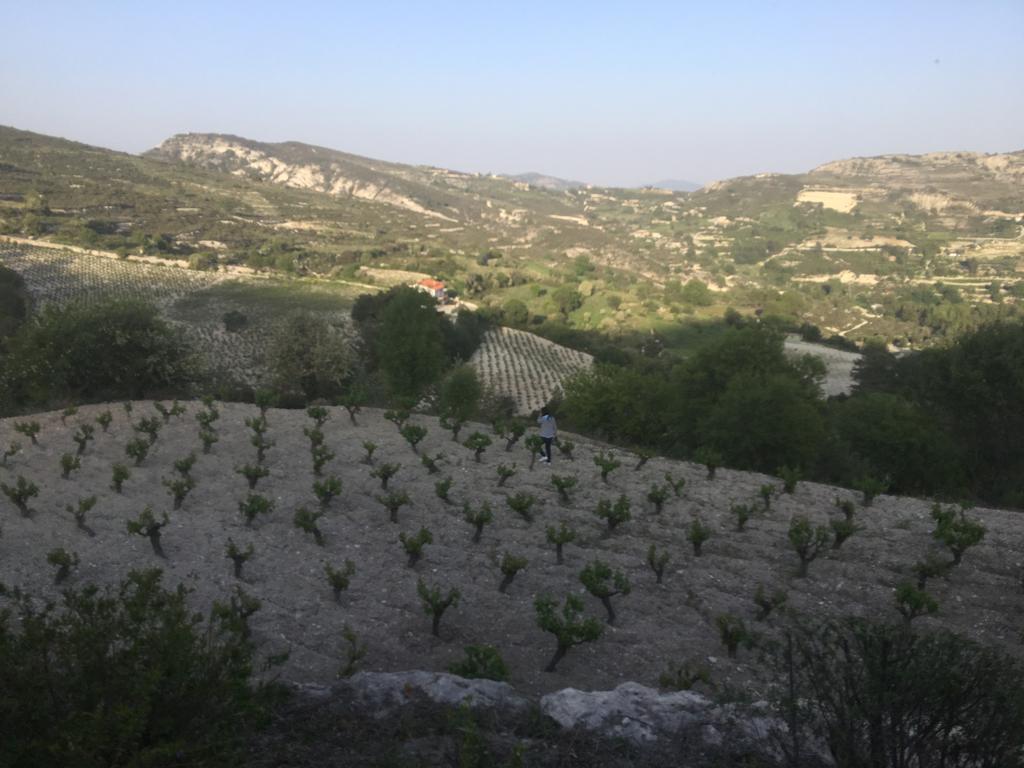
x=515, y=313
x=459, y=395
x=136, y=678
x=566, y=299
x=410, y=343
x=308, y=356
x=603, y=583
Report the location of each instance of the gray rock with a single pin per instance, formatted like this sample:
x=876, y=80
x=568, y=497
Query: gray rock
x=632, y=711
x=383, y=692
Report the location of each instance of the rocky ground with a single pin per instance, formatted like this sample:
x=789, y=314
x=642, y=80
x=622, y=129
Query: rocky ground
x=657, y=624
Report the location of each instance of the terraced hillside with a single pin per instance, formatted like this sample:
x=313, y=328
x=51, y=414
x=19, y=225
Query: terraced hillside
x=657, y=624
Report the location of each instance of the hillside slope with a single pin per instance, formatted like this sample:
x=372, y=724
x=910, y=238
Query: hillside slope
x=657, y=624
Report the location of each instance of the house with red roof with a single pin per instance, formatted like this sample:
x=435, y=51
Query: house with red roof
x=434, y=287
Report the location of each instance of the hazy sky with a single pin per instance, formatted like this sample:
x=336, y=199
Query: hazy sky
x=610, y=93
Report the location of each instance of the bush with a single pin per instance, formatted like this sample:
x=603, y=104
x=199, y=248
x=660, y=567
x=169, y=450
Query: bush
x=603, y=583
x=129, y=673
x=710, y=458
x=842, y=530
x=478, y=518
x=79, y=512
x=560, y=537
x=339, y=578
x=307, y=521
x=912, y=602
x=607, y=463
x=947, y=700
x=683, y=677
x=118, y=474
x=807, y=541
x=790, y=477
x=522, y=504
x=658, y=495
x=238, y=557
x=64, y=561
x=767, y=491
x=29, y=429
x=442, y=488
x=697, y=534
x=384, y=473
x=614, y=514
x=570, y=628
x=656, y=562
x=477, y=442
x=458, y=397
x=83, y=436
x=482, y=662
x=767, y=604
x=326, y=490
x=179, y=488
x=147, y=525
x=504, y=473
x=564, y=485
x=956, y=531
x=733, y=632
x=234, y=321
x=434, y=604
x=413, y=434
x=510, y=565
x=676, y=485
x=254, y=505
x=96, y=351
x=413, y=544
x=742, y=513
x=393, y=502
x=68, y=464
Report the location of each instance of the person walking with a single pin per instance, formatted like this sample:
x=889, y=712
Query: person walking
x=548, y=432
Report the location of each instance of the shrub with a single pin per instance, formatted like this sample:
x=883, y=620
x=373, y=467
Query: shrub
x=614, y=514
x=262, y=444
x=885, y=696
x=569, y=627
x=511, y=433
x=912, y=602
x=11, y=450
x=434, y=604
x=315, y=436
x=354, y=652
x=414, y=543
x=83, y=436
x=697, y=534
x=179, y=488
x=265, y=399
x=676, y=485
x=79, y=512
x=352, y=401
x=710, y=458
x=504, y=473
x=510, y=566
x=148, y=426
x=258, y=424
x=842, y=530
x=118, y=474
x=482, y=662
x=137, y=449
x=309, y=357
x=184, y=466
x=254, y=505
x=807, y=541
x=560, y=537
x=453, y=425
x=306, y=521
x=845, y=506
x=393, y=502
x=458, y=398
x=534, y=444
x=790, y=477
x=20, y=494
x=67, y=413
x=320, y=454
x=603, y=583
x=733, y=632
x=478, y=443
x=955, y=531
x=252, y=474
x=238, y=557
x=339, y=578
x=398, y=417
x=326, y=490
x=870, y=487
x=742, y=513
x=565, y=448
x=683, y=677
x=369, y=448
x=318, y=414
x=767, y=491
x=442, y=488
x=657, y=561
x=384, y=473
x=564, y=485
x=430, y=463
x=63, y=561
x=104, y=419
x=234, y=321
x=68, y=464
x=29, y=429
x=237, y=611
x=767, y=603
x=658, y=495
x=136, y=678
x=414, y=434
x=642, y=457
x=147, y=525
x=931, y=567
x=522, y=504
x=607, y=463
x=208, y=437
x=478, y=518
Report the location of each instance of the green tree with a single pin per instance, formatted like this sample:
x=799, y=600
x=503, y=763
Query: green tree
x=410, y=344
x=309, y=356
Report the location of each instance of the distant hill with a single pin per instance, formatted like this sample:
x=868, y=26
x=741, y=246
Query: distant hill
x=546, y=182
x=676, y=185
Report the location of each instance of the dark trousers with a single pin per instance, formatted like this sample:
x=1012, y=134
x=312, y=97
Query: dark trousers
x=547, y=446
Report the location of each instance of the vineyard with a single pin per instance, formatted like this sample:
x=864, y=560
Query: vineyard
x=194, y=301
x=330, y=527
x=525, y=367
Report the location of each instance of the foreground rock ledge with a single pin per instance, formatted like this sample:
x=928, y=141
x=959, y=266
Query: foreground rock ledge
x=642, y=717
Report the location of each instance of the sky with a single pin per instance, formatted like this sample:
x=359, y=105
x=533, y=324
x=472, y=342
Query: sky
x=610, y=93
